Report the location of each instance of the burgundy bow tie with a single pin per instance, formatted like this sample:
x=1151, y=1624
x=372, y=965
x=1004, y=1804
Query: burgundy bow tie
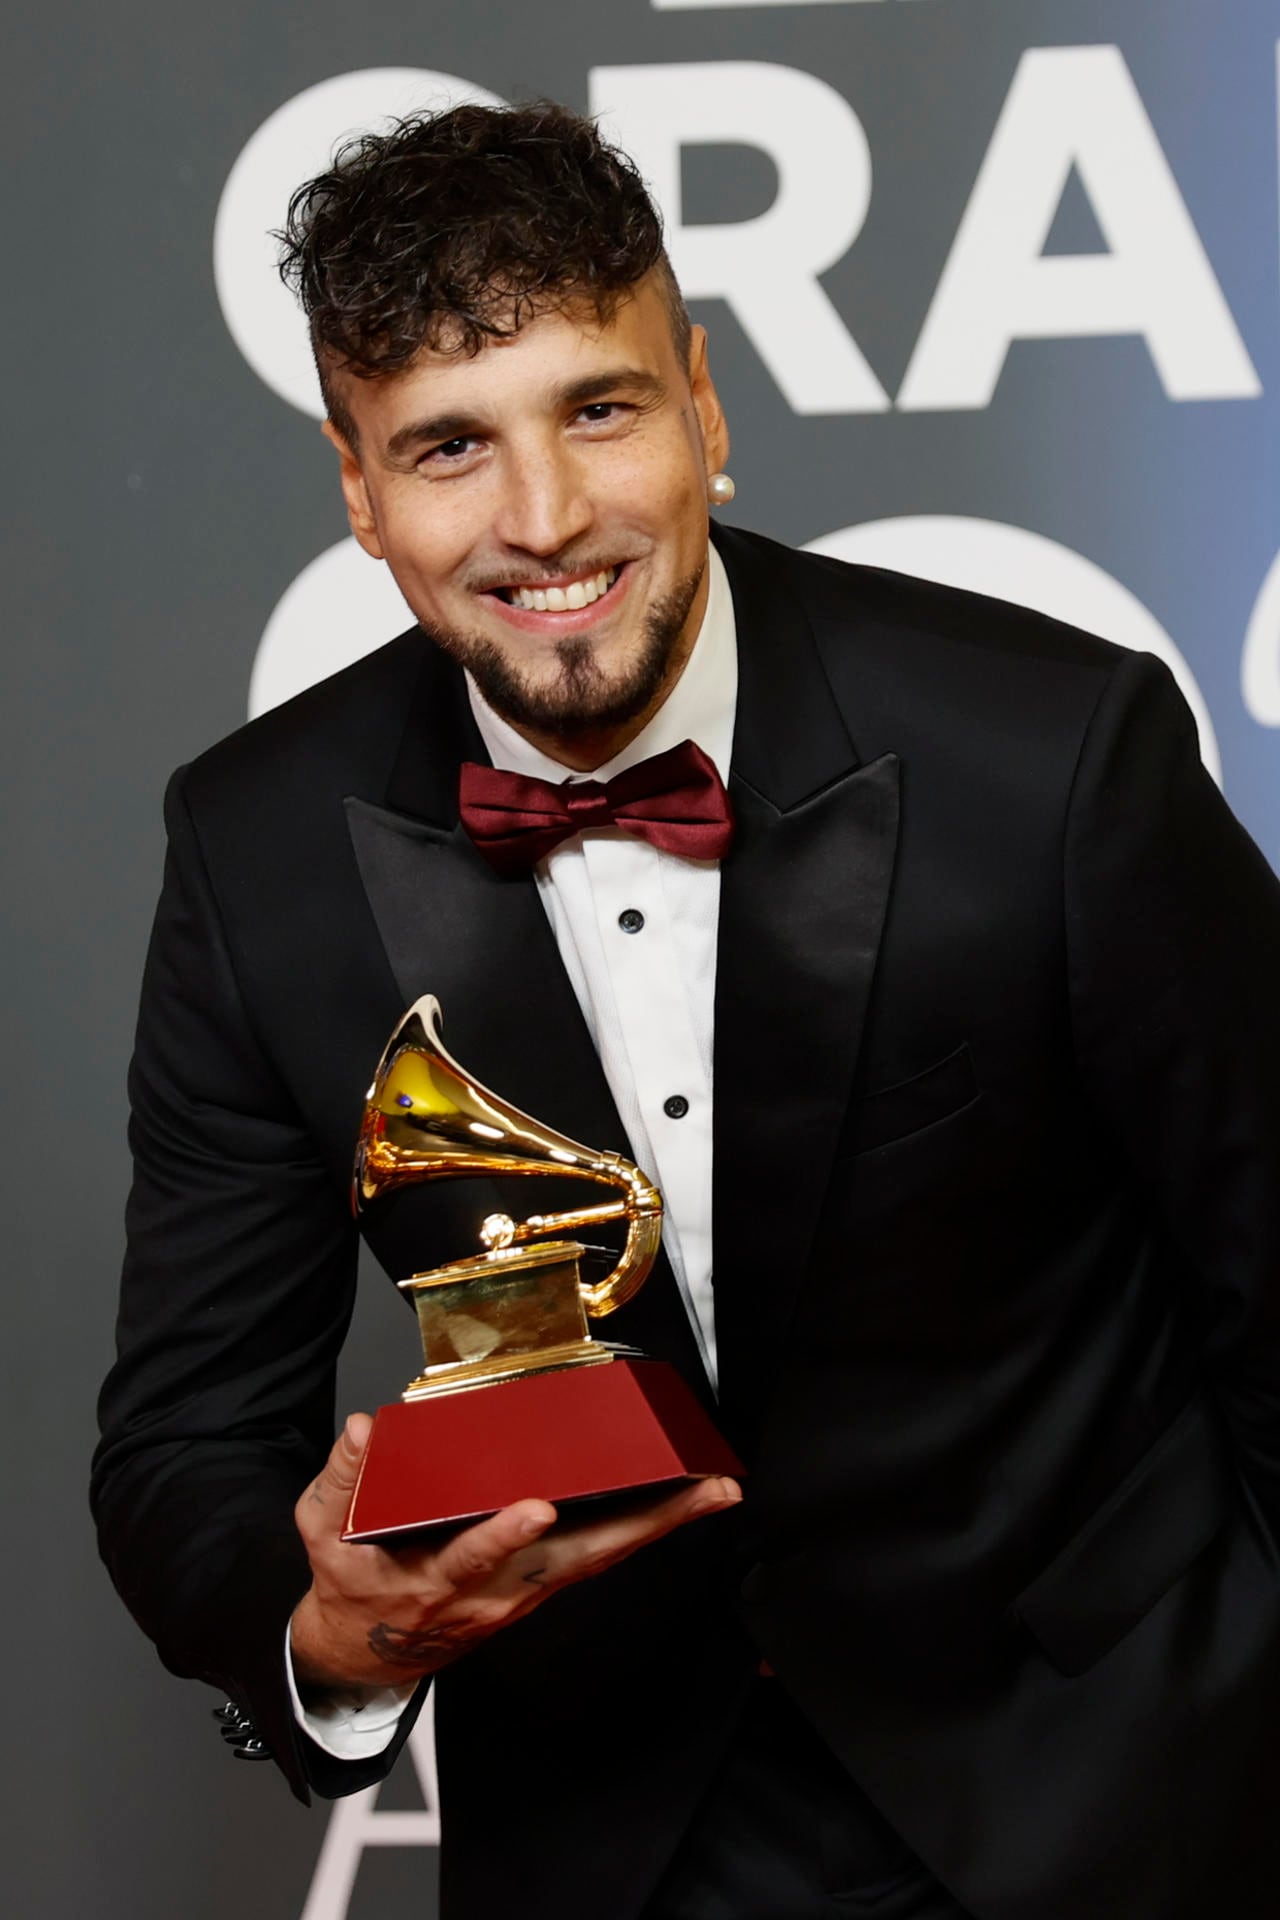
x=676, y=801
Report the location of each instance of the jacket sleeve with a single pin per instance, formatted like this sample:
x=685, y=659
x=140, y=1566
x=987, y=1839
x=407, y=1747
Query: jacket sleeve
x=237, y=1292
x=1173, y=928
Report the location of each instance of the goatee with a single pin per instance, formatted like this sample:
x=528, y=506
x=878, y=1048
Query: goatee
x=580, y=699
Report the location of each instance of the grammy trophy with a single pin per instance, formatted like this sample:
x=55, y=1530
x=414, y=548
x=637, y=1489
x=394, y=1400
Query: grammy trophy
x=516, y=1397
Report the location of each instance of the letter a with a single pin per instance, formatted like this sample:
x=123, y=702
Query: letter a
x=1076, y=106
x=355, y=1824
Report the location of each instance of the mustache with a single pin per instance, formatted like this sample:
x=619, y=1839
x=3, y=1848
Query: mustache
x=546, y=571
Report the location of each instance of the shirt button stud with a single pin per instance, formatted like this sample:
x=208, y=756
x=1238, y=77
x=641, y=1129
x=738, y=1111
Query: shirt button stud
x=631, y=920
x=675, y=1107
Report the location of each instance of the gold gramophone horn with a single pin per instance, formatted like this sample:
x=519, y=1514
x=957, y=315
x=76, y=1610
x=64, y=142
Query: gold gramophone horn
x=425, y=1118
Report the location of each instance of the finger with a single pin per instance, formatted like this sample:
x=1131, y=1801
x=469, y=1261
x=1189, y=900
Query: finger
x=659, y=1513
x=716, y=1492
x=480, y=1550
x=596, y=1544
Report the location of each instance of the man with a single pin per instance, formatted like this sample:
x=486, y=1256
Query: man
x=982, y=992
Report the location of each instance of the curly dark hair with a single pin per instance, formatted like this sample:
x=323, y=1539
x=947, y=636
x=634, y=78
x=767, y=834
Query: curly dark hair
x=456, y=228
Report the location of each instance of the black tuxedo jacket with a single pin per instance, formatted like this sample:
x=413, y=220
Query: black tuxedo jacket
x=997, y=1232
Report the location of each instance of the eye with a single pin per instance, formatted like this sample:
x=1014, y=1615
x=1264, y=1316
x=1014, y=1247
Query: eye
x=600, y=412
x=460, y=452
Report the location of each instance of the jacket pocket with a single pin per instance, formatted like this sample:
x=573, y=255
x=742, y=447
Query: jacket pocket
x=1129, y=1552
x=891, y=1113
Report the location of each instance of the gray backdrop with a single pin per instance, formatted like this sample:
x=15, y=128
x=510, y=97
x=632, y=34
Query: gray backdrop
x=994, y=281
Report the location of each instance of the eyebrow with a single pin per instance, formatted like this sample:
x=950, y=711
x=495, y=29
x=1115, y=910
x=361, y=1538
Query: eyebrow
x=633, y=380
x=438, y=428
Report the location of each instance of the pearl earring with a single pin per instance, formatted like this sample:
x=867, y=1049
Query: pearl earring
x=720, y=489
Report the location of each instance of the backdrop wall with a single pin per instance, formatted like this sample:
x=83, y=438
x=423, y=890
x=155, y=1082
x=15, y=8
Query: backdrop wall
x=994, y=293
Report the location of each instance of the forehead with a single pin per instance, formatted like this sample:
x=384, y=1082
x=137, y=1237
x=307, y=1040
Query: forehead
x=529, y=369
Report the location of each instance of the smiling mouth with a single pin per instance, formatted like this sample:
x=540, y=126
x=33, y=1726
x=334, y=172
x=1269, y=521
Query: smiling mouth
x=562, y=597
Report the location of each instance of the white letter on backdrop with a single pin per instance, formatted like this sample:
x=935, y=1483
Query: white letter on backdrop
x=1012, y=563
x=341, y=606
x=355, y=1824
x=1260, y=667
x=294, y=143
x=1076, y=106
x=766, y=268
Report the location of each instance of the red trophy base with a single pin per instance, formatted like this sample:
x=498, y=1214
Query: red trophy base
x=568, y=1435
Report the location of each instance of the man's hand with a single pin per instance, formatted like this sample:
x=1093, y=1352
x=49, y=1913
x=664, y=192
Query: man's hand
x=379, y=1617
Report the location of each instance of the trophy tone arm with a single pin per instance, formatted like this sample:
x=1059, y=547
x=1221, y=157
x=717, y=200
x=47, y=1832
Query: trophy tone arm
x=642, y=1211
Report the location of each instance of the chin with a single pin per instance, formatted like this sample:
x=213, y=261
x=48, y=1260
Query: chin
x=581, y=682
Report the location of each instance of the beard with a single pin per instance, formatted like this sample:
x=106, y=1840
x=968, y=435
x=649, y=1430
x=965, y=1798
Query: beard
x=579, y=698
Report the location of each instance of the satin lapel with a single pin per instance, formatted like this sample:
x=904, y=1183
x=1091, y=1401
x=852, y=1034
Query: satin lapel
x=803, y=898
x=484, y=947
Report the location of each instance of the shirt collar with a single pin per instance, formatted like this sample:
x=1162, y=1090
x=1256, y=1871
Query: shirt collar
x=700, y=707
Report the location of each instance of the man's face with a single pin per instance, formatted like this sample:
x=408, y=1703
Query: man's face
x=543, y=508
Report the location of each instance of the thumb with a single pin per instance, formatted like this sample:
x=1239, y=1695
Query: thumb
x=342, y=1468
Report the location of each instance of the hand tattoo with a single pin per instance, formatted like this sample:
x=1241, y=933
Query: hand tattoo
x=403, y=1647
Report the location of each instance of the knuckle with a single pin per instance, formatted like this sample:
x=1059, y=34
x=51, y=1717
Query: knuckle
x=487, y=1615
x=345, y=1571
x=467, y=1559
x=304, y=1520
x=614, y=1546
x=583, y=1565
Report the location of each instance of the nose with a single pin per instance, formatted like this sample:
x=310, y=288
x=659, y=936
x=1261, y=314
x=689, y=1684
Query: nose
x=545, y=505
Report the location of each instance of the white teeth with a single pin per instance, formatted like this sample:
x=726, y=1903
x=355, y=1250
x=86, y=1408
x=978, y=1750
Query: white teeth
x=580, y=593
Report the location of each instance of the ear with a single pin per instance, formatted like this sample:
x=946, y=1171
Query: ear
x=354, y=491
x=706, y=403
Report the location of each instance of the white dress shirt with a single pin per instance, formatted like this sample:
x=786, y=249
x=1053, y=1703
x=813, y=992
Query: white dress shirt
x=648, y=995
x=636, y=931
